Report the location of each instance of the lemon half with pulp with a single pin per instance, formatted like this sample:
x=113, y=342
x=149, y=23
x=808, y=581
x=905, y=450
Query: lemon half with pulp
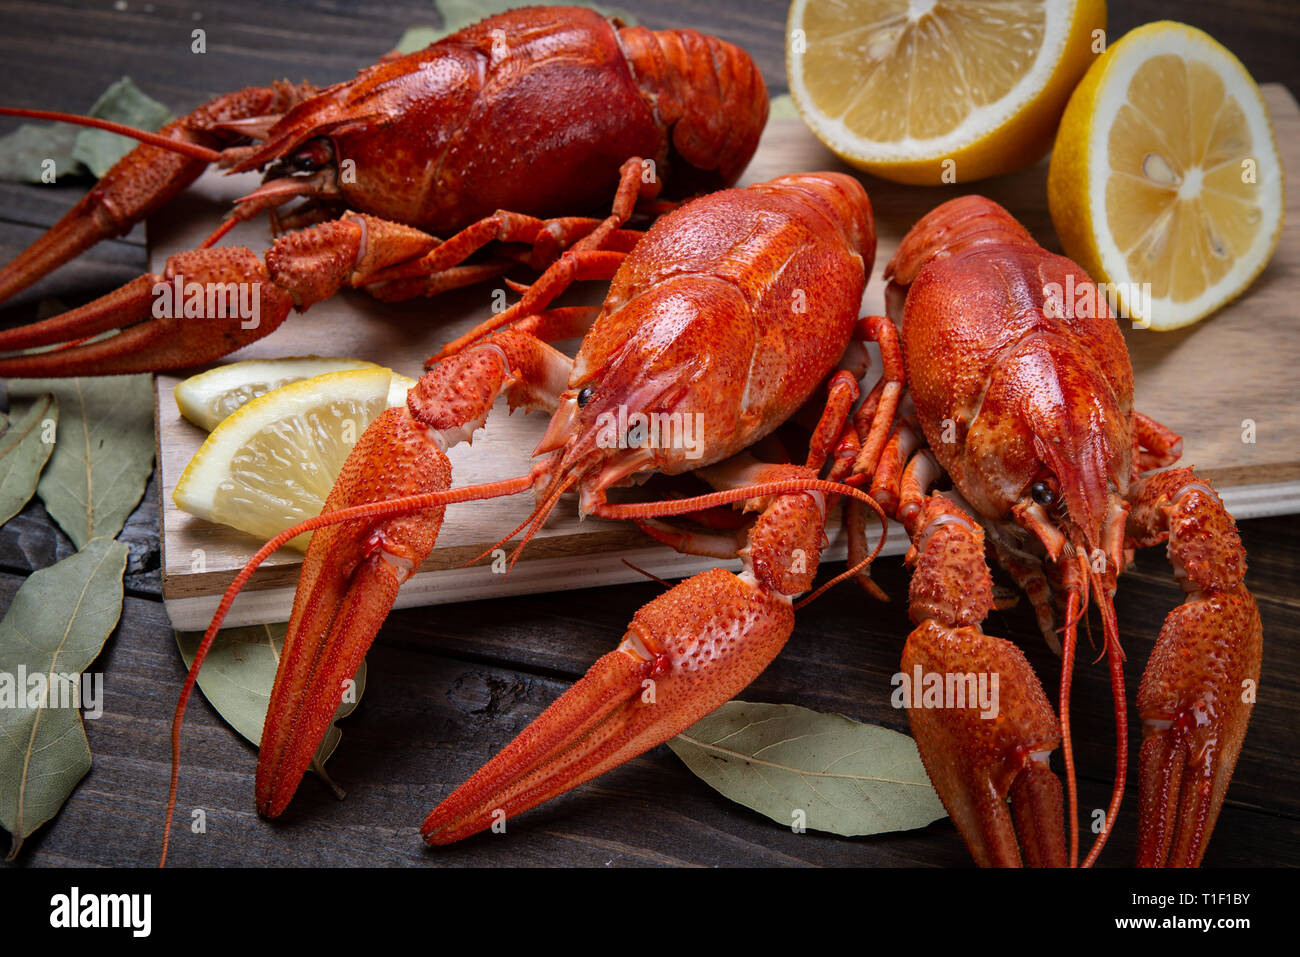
x=207, y=398
x=938, y=91
x=1165, y=182
x=271, y=463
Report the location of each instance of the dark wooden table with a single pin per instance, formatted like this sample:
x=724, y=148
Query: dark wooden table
x=450, y=685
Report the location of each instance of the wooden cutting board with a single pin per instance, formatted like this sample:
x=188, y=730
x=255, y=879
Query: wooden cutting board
x=1204, y=382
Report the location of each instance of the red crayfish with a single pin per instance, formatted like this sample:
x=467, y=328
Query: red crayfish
x=532, y=113
x=1026, y=404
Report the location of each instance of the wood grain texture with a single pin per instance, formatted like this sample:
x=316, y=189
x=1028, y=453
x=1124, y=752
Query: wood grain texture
x=451, y=685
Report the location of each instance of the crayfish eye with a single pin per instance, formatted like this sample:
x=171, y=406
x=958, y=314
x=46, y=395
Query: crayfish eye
x=1042, y=493
x=585, y=396
x=311, y=157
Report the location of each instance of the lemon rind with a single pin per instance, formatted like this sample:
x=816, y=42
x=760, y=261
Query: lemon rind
x=191, y=393
x=982, y=123
x=1110, y=93
x=234, y=432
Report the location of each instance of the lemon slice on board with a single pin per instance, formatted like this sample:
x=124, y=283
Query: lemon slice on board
x=271, y=464
x=1166, y=175
x=207, y=398
x=938, y=91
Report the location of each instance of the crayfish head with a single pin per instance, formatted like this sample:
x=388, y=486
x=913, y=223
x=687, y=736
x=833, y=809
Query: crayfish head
x=1073, y=511
x=660, y=384
x=315, y=159
x=303, y=147
x=309, y=172
x=1074, y=503
x=1050, y=450
x=614, y=426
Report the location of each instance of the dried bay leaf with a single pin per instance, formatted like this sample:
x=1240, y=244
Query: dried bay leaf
x=25, y=443
x=78, y=151
x=23, y=152
x=123, y=102
x=103, y=451
x=58, y=622
x=847, y=777
x=237, y=676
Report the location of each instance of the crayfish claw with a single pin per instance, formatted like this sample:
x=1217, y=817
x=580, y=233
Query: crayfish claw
x=992, y=749
x=683, y=656
x=1194, y=723
x=1199, y=686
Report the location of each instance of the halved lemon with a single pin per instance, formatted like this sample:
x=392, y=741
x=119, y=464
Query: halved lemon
x=938, y=91
x=1165, y=182
x=207, y=398
x=271, y=464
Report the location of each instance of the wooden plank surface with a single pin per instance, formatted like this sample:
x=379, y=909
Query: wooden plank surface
x=449, y=686
x=1204, y=382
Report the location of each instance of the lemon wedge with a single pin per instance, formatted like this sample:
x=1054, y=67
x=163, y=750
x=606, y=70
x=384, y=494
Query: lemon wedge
x=207, y=398
x=271, y=463
x=938, y=91
x=1165, y=183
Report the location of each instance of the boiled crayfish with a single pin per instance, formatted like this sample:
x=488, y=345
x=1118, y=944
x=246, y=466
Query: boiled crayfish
x=532, y=113
x=735, y=309
x=1026, y=404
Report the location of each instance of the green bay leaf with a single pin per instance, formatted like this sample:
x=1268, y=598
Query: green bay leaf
x=25, y=444
x=103, y=451
x=77, y=151
x=24, y=151
x=237, y=676
x=846, y=777
x=125, y=103
x=57, y=624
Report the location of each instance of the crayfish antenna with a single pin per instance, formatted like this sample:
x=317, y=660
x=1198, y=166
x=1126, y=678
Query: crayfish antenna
x=183, y=147
x=1068, y=643
x=681, y=506
x=1115, y=656
x=650, y=575
x=849, y=572
x=109, y=209
x=540, y=514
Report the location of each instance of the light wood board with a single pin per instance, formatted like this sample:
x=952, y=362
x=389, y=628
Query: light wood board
x=1203, y=382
